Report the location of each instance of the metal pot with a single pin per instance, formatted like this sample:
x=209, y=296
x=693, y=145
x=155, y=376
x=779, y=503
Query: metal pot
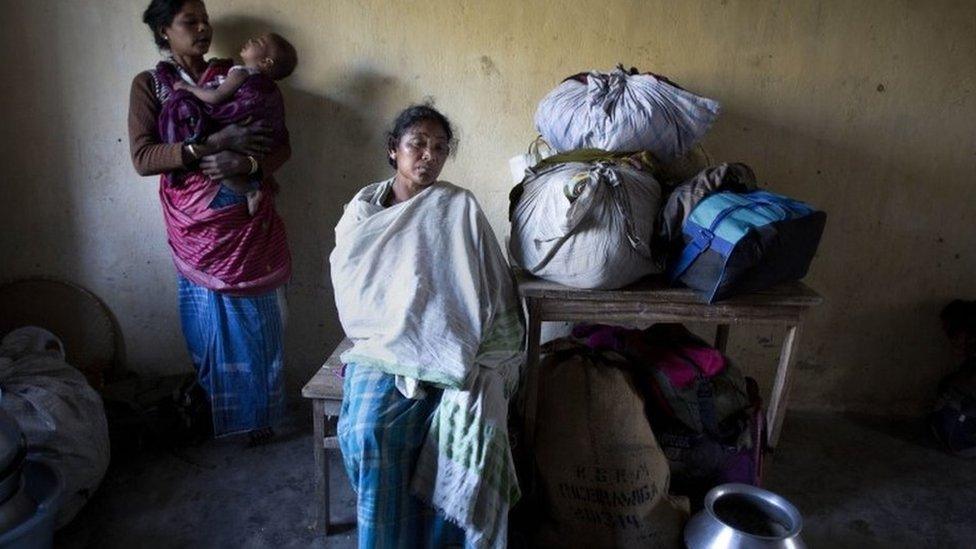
x=16, y=504
x=17, y=508
x=13, y=452
x=746, y=517
x=11, y=476
x=42, y=488
x=12, y=443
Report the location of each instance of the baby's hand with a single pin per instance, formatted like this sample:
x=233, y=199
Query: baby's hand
x=181, y=85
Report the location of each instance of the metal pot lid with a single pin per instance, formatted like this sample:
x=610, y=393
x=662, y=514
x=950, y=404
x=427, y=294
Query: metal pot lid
x=12, y=442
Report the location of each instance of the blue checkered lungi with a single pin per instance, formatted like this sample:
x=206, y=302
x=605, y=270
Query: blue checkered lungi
x=380, y=434
x=236, y=345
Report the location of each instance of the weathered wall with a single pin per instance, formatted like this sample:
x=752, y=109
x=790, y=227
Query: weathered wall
x=863, y=108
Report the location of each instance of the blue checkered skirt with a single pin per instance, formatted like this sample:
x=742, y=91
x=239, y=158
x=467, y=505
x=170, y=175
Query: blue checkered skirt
x=236, y=345
x=380, y=434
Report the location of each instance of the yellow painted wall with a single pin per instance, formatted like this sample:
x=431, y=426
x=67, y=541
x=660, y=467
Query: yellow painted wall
x=865, y=108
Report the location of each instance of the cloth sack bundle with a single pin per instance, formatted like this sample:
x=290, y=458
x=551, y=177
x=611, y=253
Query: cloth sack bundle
x=58, y=411
x=736, y=243
x=706, y=416
x=687, y=194
x=585, y=224
x=623, y=111
x=603, y=479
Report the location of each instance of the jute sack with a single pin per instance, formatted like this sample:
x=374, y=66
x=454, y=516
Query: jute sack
x=603, y=479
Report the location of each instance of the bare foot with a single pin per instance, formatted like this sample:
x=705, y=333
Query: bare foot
x=260, y=437
x=253, y=199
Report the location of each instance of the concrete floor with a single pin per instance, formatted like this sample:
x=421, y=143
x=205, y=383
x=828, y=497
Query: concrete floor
x=859, y=481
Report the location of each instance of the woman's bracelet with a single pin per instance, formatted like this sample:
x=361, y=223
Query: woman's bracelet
x=254, y=165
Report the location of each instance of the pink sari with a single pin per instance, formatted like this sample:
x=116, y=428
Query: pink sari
x=223, y=249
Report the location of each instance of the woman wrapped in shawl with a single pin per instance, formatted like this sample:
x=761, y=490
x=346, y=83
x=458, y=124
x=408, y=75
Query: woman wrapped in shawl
x=425, y=295
x=230, y=263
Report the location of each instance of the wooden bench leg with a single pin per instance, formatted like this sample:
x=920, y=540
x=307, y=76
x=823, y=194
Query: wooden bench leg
x=782, y=384
x=534, y=335
x=722, y=337
x=321, y=466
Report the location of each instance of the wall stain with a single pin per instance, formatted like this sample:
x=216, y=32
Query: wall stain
x=488, y=67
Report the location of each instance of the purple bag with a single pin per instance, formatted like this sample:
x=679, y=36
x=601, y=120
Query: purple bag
x=711, y=429
x=701, y=461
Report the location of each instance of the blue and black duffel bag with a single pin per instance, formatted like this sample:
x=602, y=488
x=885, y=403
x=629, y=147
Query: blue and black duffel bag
x=740, y=242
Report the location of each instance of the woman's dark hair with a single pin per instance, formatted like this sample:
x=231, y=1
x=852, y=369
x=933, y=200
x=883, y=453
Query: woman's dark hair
x=411, y=116
x=159, y=14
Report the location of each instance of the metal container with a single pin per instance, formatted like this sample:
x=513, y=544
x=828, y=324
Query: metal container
x=18, y=508
x=13, y=452
x=12, y=444
x=740, y=516
x=16, y=504
x=43, y=486
x=11, y=476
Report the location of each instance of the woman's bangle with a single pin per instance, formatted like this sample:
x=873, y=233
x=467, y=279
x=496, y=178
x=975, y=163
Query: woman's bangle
x=254, y=165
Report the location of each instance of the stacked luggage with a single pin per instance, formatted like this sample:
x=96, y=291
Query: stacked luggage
x=605, y=478
x=601, y=205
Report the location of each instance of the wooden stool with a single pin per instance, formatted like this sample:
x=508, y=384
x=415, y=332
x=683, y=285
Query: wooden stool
x=325, y=391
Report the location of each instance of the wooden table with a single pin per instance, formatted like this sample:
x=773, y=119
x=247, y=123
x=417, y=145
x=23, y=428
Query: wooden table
x=652, y=300
x=325, y=391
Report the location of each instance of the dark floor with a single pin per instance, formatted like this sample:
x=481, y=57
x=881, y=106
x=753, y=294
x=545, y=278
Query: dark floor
x=859, y=482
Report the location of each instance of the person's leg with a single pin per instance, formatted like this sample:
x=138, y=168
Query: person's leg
x=236, y=344
x=258, y=437
x=380, y=434
x=196, y=321
x=250, y=369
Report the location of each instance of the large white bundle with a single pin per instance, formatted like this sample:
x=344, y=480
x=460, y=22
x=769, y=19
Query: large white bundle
x=586, y=224
x=624, y=112
x=61, y=415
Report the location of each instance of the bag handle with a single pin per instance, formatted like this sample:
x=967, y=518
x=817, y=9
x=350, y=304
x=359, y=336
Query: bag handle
x=538, y=143
x=697, y=246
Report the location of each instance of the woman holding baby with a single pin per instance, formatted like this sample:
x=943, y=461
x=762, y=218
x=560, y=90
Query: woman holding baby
x=215, y=134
